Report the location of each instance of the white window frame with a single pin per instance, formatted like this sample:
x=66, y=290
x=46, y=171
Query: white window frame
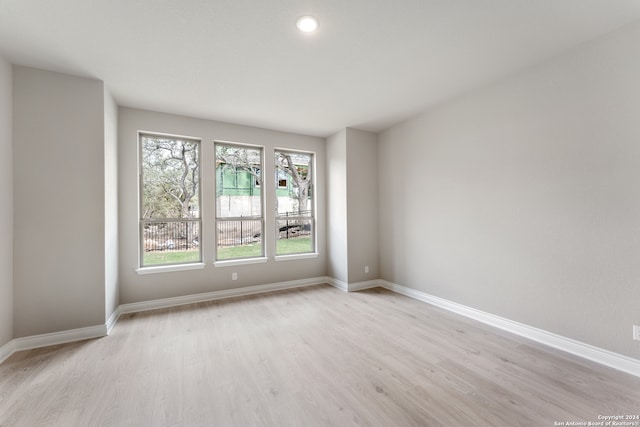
x=313, y=253
x=157, y=268
x=244, y=260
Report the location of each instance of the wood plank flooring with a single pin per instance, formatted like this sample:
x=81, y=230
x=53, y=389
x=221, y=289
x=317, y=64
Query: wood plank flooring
x=313, y=356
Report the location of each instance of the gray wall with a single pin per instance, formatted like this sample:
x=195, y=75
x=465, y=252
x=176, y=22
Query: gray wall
x=362, y=204
x=59, y=249
x=6, y=204
x=134, y=287
x=352, y=160
x=337, y=262
x=112, y=298
x=523, y=199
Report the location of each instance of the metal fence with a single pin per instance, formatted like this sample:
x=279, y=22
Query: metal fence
x=170, y=235
x=238, y=232
x=184, y=234
x=294, y=224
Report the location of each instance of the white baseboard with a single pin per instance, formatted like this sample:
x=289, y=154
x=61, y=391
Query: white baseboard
x=215, y=295
x=53, y=338
x=113, y=319
x=360, y=286
x=352, y=287
x=586, y=351
x=343, y=286
x=6, y=351
x=62, y=337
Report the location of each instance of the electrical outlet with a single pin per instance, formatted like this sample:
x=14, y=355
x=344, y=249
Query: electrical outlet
x=234, y=276
x=366, y=268
x=636, y=332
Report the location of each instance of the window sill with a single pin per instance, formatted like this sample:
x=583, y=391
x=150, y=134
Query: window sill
x=231, y=262
x=170, y=268
x=295, y=256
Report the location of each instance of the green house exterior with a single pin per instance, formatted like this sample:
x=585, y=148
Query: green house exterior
x=231, y=182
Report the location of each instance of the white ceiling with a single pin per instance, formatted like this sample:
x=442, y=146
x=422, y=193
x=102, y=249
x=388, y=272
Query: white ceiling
x=371, y=64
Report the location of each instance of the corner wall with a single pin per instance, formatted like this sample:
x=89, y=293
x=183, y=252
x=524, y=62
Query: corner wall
x=6, y=203
x=337, y=261
x=112, y=297
x=59, y=201
x=523, y=199
x=352, y=160
x=362, y=203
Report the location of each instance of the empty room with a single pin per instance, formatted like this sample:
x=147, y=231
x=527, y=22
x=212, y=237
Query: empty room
x=319, y=213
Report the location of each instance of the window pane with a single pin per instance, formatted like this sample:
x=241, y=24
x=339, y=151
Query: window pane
x=239, y=239
x=294, y=237
x=293, y=184
x=295, y=232
x=238, y=179
x=169, y=206
x=239, y=213
x=170, y=178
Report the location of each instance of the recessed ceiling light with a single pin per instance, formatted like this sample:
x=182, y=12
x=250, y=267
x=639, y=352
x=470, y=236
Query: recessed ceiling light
x=307, y=24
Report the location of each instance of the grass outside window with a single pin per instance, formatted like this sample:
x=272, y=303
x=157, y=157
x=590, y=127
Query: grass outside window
x=284, y=247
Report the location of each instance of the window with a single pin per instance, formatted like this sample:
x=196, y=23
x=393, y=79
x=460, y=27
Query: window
x=295, y=219
x=170, y=200
x=239, y=200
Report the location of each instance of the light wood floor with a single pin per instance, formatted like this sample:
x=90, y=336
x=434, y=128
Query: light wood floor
x=312, y=356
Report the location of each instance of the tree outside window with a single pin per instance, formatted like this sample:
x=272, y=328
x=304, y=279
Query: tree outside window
x=170, y=200
x=295, y=219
